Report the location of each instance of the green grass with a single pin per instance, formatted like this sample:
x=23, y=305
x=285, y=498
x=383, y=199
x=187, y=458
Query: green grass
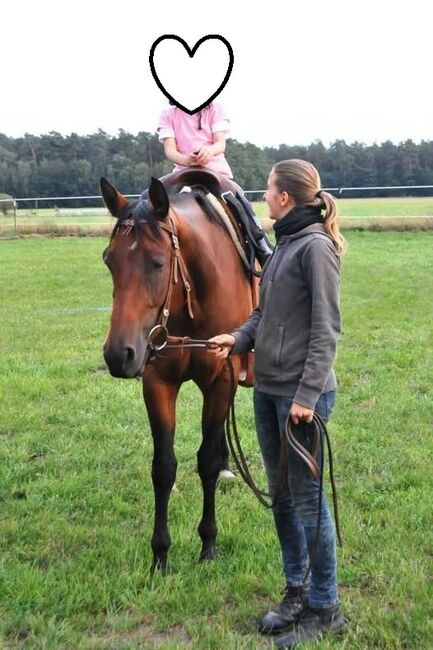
x=376, y=214
x=75, y=490
x=393, y=207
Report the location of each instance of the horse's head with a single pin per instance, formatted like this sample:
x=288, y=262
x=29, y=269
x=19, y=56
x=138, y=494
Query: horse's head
x=139, y=258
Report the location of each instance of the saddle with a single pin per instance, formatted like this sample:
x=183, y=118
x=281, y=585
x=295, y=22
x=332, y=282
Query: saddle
x=223, y=196
x=190, y=177
x=230, y=202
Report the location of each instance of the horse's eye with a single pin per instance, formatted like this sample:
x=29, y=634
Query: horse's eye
x=158, y=262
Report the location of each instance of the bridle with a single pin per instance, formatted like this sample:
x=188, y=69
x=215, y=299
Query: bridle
x=177, y=268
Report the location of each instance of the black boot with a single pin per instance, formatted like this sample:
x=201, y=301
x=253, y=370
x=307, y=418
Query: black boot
x=263, y=248
x=287, y=612
x=313, y=624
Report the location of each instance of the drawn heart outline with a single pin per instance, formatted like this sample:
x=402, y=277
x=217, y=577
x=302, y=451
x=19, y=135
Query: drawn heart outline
x=191, y=53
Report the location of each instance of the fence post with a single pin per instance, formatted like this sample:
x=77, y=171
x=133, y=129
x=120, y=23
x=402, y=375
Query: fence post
x=15, y=215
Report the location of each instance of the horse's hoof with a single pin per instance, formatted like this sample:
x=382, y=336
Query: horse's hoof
x=209, y=554
x=227, y=475
x=160, y=566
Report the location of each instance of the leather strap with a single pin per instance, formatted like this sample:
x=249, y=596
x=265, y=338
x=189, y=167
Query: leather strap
x=177, y=267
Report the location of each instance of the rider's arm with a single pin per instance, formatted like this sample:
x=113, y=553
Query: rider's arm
x=208, y=151
x=171, y=152
x=219, y=143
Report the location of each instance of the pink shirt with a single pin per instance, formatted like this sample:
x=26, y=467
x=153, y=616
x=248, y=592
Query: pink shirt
x=174, y=123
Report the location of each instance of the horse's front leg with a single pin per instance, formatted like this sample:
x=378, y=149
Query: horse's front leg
x=160, y=399
x=211, y=459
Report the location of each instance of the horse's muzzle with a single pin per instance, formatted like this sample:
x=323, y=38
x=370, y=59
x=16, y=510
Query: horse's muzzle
x=125, y=360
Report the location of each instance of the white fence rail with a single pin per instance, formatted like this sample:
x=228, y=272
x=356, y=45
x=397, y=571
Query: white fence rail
x=34, y=203
x=336, y=190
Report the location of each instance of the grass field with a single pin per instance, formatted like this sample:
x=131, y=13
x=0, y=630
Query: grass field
x=416, y=213
x=75, y=489
x=377, y=214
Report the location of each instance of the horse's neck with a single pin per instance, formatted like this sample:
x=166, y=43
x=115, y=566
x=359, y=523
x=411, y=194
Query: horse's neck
x=209, y=252
x=200, y=237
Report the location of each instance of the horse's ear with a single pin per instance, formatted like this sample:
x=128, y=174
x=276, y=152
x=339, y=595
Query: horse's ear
x=158, y=198
x=114, y=201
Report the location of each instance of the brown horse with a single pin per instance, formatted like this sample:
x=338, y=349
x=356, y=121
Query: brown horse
x=173, y=263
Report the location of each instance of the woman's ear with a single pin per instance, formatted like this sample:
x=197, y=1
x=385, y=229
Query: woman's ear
x=286, y=199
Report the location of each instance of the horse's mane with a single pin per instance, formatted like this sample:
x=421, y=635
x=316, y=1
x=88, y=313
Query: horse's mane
x=135, y=216
x=200, y=193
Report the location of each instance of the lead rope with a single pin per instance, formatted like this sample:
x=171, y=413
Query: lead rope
x=288, y=440
x=236, y=447
x=320, y=433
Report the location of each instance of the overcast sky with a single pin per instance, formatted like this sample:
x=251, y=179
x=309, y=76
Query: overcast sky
x=303, y=70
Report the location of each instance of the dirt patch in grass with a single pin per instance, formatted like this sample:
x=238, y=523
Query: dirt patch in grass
x=386, y=224
x=144, y=632
x=55, y=230
x=374, y=224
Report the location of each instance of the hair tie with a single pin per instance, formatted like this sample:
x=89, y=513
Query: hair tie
x=319, y=194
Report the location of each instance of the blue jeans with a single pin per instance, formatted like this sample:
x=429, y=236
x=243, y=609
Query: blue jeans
x=295, y=512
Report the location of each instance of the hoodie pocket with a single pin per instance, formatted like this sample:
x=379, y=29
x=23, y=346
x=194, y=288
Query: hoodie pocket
x=279, y=342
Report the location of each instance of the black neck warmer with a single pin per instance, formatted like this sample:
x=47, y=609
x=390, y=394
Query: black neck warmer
x=296, y=220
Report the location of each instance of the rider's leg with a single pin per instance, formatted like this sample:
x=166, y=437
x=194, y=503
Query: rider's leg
x=264, y=248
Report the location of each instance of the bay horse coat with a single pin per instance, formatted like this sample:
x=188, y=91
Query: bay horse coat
x=211, y=295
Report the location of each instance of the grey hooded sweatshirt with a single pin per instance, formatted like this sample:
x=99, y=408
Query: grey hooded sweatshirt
x=295, y=328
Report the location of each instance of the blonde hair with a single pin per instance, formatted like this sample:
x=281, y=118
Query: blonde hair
x=301, y=180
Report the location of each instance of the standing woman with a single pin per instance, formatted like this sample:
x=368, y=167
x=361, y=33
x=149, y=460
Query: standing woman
x=294, y=332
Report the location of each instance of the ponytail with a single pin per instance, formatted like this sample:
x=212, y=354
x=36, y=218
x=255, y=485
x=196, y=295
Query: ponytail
x=332, y=221
x=301, y=180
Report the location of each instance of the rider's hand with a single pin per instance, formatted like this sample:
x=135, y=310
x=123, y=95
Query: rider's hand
x=225, y=343
x=204, y=155
x=300, y=413
x=189, y=160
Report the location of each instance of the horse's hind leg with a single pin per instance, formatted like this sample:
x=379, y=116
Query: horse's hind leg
x=160, y=401
x=210, y=458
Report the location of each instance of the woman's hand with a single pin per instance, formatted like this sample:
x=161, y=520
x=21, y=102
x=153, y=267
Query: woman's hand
x=204, y=155
x=225, y=343
x=300, y=413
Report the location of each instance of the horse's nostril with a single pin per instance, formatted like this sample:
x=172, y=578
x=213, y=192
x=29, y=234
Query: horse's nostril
x=130, y=355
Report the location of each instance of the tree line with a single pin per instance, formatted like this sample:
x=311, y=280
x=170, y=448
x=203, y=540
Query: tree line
x=71, y=165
